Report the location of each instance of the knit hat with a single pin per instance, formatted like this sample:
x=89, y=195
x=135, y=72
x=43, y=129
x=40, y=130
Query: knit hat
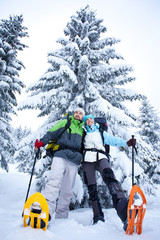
x=80, y=110
x=86, y=117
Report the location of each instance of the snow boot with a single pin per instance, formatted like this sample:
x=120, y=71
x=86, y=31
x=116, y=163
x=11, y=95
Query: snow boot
x=125, y=223
x=36, y=208
x=121, y=208
x=95, y=204
x=97, y=219
x=97, y=211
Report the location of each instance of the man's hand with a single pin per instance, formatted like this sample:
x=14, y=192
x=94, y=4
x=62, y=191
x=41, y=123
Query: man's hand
x=38, y=144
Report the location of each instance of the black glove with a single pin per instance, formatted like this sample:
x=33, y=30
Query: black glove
x=131, y=142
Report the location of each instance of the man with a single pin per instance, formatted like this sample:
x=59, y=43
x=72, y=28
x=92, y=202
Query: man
x=58, y=189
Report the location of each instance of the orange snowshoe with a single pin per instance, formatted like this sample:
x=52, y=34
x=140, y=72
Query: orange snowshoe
x=135, y=213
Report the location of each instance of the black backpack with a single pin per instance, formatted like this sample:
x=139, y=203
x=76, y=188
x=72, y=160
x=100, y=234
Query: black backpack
x=52, y=146
x=103, y=126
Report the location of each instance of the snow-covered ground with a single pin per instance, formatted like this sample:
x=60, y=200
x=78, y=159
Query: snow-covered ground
x=13, y=187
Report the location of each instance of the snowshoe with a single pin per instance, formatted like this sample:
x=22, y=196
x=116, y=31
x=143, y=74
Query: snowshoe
x=136, y=211
x=36, y=212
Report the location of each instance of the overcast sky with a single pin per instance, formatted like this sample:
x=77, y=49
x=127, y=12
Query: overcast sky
x=135, y=22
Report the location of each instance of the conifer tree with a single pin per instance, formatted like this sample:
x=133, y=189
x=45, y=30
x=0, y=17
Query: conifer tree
x=82, y=73
x=10, y=33
x=149, y=124
x=23, y=154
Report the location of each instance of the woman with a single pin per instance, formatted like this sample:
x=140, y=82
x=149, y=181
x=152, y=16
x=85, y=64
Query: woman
x=96, y=160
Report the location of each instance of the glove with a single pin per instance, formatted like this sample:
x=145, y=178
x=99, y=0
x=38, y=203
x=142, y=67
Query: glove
x=131, y=142
x=38, y=144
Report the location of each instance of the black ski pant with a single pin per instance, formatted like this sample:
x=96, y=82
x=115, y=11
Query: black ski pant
x=120, y=202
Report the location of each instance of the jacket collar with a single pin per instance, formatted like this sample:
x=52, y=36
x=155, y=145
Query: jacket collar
x=92, y=128
x=76, y=122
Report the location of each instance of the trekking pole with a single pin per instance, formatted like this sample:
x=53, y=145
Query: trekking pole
x=133, y=149
x=29, y=185
x=132, y=163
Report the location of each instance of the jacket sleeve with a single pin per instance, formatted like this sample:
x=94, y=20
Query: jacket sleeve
x=113, y=141
x=54, y=132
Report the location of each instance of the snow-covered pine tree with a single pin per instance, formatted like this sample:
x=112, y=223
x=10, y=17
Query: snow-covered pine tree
x=20, y=133
x=82, y=73
x=149, y=125
x=10, y=32
x=23, y=154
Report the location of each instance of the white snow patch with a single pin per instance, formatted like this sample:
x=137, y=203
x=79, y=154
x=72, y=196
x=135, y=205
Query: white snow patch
x=79, y=224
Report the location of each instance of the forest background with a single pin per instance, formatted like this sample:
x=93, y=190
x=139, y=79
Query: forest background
x=84, y=68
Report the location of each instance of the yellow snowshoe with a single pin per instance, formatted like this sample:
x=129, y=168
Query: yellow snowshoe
x=36, y=212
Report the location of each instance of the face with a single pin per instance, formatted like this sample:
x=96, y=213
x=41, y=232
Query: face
x=78, y=115
x=89, y=121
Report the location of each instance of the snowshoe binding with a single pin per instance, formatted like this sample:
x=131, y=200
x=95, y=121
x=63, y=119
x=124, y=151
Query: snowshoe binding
x=136, y=211
x=36, y=212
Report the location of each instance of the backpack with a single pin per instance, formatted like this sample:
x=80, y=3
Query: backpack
x=52, y=146
x=103, y=127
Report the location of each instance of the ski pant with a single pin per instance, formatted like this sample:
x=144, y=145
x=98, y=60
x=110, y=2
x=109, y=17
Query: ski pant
x=58, y=189
x=120, y=202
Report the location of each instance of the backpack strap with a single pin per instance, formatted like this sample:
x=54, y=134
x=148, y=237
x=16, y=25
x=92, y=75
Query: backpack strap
x=95, y=150
x=107, y=147
x=49, y=150
x=101, y=132
x=65, y=128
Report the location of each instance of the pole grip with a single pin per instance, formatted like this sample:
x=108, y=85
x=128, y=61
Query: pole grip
x=132, y=163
